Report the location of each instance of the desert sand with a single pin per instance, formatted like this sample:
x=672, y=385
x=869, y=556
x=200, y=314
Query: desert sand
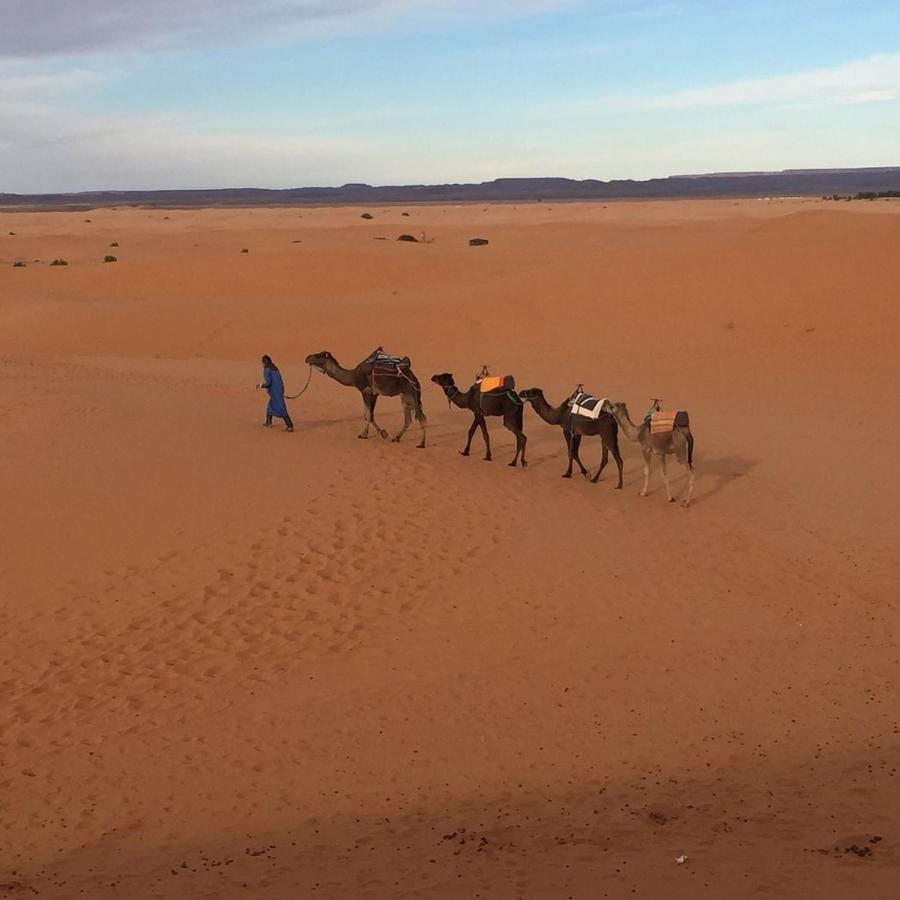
x=243, y=663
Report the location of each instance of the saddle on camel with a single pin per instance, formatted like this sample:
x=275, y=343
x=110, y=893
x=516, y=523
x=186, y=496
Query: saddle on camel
x=495, y=384
x=662, y=422
x=586, y=406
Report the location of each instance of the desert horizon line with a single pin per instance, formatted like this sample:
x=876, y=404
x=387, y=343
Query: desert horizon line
x=776, y=182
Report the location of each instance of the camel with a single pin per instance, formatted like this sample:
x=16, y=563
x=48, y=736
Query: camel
x=576, y=427
x=372, y=382
x=679, y=442
x=506, y=404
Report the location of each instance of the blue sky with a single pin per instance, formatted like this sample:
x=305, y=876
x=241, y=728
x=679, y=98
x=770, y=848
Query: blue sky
x=279, y=93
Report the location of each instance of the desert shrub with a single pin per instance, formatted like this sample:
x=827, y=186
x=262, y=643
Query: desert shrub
x=59, y=262
x=109, y=258
x=114, y=244
x=245, y=250
x=367, y=216
x=18, y=264
x=408, y=237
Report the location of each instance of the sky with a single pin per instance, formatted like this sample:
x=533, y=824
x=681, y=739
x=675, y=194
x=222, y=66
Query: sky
x=152, y=94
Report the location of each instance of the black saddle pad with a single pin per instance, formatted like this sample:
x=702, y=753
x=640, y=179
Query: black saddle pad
x=385, y=361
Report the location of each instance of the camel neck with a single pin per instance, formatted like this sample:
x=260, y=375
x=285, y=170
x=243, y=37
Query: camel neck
x=632, y=432
x=552, y=415
x=341, y=375
x=455, y=395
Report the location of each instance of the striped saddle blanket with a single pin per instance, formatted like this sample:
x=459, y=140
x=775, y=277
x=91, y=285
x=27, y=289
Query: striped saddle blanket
x=491, y=383
x=586, y=406
x=664, y=422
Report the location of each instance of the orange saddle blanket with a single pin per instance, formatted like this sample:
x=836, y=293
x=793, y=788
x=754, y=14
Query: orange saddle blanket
x=496, y=383
x=664, y=422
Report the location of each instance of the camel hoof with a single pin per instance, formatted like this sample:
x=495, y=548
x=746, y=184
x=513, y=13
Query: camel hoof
x=567, y=475
x=670, y=500
x=488, y=458
x=642, y=494
x=395, y=440
x=420, y=446
x=463, y=452
x=384, y=435
x=363, y=437
x=618, y=487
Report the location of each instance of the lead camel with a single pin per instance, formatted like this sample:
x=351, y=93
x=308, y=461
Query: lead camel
x=373, y=382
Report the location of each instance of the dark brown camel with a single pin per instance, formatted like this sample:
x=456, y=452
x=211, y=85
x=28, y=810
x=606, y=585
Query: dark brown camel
x=576, y=427
x=500, y=403
x=374, y=382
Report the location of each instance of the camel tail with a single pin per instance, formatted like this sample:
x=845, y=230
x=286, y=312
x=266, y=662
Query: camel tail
x=690, y=443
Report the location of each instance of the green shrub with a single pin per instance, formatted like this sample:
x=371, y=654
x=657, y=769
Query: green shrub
x=109, y=258
x=59, y=262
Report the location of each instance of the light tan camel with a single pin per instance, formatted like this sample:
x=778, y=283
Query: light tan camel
x=679, y=442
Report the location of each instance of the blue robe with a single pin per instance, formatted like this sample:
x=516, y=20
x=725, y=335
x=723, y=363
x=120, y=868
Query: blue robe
x=273, y=383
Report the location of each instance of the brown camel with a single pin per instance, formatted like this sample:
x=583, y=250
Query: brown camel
x=373, y=381
x=576, y=427
x=498, y=403
x=679, y=442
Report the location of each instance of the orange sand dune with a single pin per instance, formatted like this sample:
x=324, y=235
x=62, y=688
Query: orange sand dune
x=240, y=663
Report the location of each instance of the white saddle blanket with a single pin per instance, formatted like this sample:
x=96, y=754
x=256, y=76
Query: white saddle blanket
x=587, y=406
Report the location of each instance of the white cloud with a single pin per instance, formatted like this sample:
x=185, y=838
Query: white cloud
x=33, y=28
x=874, y=79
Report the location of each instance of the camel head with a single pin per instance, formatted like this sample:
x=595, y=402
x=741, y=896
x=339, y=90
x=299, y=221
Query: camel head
x=444, y=379
x=531, y=394
x=615, y=408
x=318, y=360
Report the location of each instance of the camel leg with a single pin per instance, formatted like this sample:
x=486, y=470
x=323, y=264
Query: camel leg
x=368, y=403
x=510, y=421
x=683, y=455
x=407, y=418
x=487, y=439
x=618, y=458
x=378, y=428
x=690, y=488
x=472, y=427
x=571, y=451
x=604, y=459
x=581, y=465
x=669, y=497
x=646, y=454
x=420, y=418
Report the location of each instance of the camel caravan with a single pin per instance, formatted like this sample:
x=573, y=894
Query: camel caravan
x=660, y=433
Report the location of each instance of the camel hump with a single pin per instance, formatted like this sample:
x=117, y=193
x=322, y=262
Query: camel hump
x=587, y=406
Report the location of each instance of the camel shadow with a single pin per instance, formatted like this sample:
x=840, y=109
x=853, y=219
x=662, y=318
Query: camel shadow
x=717, y=474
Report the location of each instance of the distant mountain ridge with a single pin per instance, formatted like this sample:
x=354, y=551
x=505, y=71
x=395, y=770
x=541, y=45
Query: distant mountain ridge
x=787, y=183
